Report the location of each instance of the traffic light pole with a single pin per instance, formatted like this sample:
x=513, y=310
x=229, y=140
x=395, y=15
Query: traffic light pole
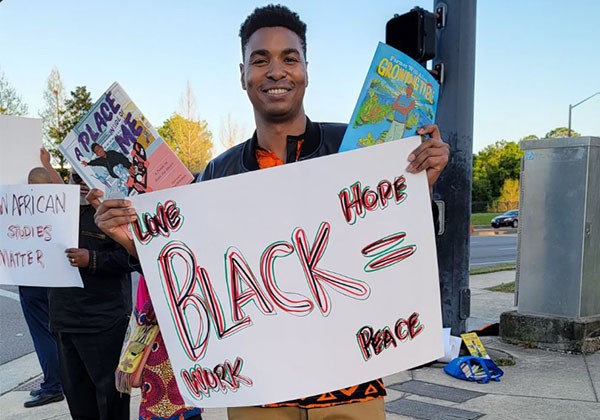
x=456, y=51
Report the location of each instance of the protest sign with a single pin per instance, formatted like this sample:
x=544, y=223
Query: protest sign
x=37, y=224
x=294, y=280
x=20, y=142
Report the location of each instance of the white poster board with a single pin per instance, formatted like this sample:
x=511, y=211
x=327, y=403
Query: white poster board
x=20, y=142
x=37, y=224
x=267, y=290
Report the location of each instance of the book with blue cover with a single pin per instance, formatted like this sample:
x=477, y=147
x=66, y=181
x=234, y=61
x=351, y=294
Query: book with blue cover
x=398, y=96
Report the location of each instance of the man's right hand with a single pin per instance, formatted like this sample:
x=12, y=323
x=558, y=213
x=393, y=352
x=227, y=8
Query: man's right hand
x=112, y=217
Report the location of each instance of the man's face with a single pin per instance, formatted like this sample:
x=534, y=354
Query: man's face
x=99, y=151
x=409, y=91
x=274, y=73
x=83, y=188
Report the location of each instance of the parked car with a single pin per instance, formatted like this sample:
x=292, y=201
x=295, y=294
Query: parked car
x=510, y=218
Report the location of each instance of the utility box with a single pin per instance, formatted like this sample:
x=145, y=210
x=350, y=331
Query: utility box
x=558, y=262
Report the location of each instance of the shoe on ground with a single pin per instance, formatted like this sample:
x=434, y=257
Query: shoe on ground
x=35, y=392
x=43, y=399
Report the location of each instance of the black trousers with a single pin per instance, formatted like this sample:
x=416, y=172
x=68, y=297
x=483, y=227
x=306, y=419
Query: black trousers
x=88, y=363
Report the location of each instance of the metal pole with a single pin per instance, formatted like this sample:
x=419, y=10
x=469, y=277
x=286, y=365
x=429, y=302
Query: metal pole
x=569, y=129
x=578, y=103
x=456, y=50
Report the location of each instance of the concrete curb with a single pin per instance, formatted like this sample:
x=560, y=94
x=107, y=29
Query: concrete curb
x=493, y=232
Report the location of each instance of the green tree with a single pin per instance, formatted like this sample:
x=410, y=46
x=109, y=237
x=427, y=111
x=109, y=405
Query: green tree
x=10, y=102
x=76, y=106
x=530, y=137
x=509, y=195
x=560, y=132
x=190, y=140
x=187, y=135
x=54, y=110
x=492, y=167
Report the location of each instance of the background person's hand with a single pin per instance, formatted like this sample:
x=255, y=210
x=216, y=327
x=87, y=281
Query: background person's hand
x=432, y=155
x=78, y=257
x=44, y=157
x=112, y=217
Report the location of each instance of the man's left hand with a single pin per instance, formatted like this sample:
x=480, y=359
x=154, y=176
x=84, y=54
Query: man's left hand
x=431, y=156
x=78, y=257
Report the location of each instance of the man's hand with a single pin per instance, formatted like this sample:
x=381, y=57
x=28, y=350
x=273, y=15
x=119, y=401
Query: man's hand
x=112, y=217
x=44, y=157
x=78, y=257
x=431, y=156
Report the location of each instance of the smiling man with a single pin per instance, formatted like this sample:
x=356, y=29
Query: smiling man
x=274, y=75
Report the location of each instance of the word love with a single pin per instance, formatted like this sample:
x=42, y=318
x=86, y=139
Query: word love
x=356, y=201
x=223, y=377
x=371, y=341
x=167, y=219
x=194, y=303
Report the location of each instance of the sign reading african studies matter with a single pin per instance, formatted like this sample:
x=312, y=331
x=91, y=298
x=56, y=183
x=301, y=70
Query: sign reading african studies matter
x=37, y=224
x=295, y=280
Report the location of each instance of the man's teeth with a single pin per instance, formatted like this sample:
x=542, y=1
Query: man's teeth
x=276, y=91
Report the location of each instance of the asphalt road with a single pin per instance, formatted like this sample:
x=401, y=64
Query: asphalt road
x=490, y=250
x=15, y=340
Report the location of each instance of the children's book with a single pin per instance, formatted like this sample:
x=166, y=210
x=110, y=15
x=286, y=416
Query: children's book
x=398, y=96
x=116, y=149
x=474, y=345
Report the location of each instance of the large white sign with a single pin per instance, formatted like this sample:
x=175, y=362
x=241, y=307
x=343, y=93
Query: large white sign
x=37, y=224
x=20, y=142
x=295, y=280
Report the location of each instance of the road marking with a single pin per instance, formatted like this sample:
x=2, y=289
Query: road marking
x=494, y=262
x=9, y=295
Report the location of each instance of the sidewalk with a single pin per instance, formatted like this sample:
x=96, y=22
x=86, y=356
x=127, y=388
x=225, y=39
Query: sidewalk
x=541, y=385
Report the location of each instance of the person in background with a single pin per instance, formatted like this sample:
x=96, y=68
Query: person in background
x=34, y=302
x=90, y=322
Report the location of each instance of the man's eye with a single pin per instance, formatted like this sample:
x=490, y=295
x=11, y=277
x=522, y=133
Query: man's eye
x=259, y=62
x=291, y=60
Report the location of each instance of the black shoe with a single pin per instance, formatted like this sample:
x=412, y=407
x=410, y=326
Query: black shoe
x=43, y=399
x=35, y=392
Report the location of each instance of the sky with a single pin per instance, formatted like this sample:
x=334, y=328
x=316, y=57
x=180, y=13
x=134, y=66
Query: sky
x=533, y=57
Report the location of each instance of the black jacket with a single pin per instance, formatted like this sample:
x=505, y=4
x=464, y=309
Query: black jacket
x=320, y=139
x=105, y=298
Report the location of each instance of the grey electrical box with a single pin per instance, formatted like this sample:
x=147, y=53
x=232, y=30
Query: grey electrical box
x=558, y=266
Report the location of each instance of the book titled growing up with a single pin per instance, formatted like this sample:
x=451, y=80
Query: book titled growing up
x=115, y=148
x=398, y=96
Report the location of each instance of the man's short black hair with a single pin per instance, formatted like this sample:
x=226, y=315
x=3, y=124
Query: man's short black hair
x=94, y=145
x=271, y=16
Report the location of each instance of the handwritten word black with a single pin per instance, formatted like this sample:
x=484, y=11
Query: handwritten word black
x=30, y=204
x=357, y=201
x=167, y=218
x=17, y=259
x=370, y=340
x=190, y=293
x=223, y=377
x=27, y=232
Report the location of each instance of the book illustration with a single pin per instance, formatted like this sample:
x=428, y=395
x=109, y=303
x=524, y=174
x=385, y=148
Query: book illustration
x=397, y=97
x=114, y=148
x=474, y=345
